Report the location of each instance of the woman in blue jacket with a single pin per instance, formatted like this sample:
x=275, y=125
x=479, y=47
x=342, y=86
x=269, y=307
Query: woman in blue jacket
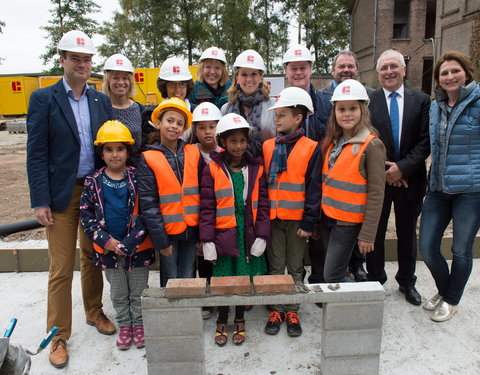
x=454, y=181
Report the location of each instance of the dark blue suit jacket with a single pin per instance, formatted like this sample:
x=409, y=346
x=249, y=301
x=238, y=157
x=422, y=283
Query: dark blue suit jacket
x=53, y=145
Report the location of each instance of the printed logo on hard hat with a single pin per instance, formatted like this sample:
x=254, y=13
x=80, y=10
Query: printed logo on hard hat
x=214, y=52
x=80, y=41
x=176, y=69
x=278, y=98
x=250, y=58
x=119, y=62
x=346, y=90
x=298, y=52
x=204, y=111
x=237, y=120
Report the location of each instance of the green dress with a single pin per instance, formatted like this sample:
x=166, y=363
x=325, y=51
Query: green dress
x=239, y=266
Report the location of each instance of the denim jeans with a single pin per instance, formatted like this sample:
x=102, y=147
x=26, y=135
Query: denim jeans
x=181, y=264
x=464, y=210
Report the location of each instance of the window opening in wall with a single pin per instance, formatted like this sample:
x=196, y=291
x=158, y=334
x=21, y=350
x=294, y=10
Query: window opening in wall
x=427, y=75
x=401, y=19
x=430, y=19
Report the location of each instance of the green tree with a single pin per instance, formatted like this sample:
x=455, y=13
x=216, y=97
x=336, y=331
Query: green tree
x=270, y=31
x=67, y=15
x=2, y=25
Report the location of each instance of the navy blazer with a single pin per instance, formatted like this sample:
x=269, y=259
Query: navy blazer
x=53, y=145
x=414, y=144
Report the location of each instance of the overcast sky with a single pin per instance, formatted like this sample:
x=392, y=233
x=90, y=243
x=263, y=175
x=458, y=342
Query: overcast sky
x=22, y=41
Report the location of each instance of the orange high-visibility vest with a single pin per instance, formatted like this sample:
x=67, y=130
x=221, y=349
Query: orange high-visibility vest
x=224, y=195
x=287, y=194
x=344, y=189
x=179, y=204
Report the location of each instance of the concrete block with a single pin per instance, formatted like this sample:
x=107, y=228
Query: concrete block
x=171, y=322
x=365, y=365
x=273, y=284
x=230, y=285
x=175, y=349
x=186, y=288
x=351, y=316
x=351, y=343
x=190, y=368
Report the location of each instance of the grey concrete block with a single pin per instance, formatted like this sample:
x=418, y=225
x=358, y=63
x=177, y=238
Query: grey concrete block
x=172, y=322
x=351, y=366
x=175, y=349
x=351, y=316
x=351, y=343
x=190, y=368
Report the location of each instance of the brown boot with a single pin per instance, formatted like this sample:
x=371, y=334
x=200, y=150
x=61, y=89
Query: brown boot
x=58, y=353
x=103, y=324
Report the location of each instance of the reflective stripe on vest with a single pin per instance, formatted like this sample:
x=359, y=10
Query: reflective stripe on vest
x=287, y=194
x=344, y=189
x=179, y=205
x=224, y=195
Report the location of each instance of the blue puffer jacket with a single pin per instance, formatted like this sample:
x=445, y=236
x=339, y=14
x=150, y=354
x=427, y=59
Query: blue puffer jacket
x=455, y=144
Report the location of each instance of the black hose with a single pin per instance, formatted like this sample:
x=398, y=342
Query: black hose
x=19, y=226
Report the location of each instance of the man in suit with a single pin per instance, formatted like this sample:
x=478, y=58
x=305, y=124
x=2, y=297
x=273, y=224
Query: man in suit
x=344, y=66
x=401, y=117
x=62, y=123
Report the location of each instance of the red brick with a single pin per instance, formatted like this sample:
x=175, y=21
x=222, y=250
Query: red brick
x=230, y=285
x=186, y=288
x=273, y=284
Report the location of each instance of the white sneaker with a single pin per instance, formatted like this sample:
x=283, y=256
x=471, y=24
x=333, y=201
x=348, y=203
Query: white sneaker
x=432, y=303
x=444, y=312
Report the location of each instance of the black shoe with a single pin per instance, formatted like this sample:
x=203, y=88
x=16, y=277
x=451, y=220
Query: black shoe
x=274, y=322
x=319, y=304
x=411, y=294
x=293, y=324
x=358, y=273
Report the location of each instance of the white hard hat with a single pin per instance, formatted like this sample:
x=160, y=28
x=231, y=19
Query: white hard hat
x=350, y=89
x=249, y=59
x=293, y=96
x=206, y=111
x=118, y=62
x=231, y=121
x=175, y=69
x=214, y=53
x=297, y=53
x=76, y=41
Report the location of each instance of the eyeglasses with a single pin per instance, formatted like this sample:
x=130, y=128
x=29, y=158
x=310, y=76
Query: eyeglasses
x=384, y=68
x=78, y=60
x=174, y=85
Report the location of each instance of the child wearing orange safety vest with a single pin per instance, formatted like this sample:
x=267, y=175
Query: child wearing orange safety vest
x=235, y=224
x=121, y=246
x=293, y=164
x=168, y=191
x=353, y=180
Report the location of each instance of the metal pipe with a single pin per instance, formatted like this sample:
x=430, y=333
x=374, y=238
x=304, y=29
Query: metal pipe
x=19, y=226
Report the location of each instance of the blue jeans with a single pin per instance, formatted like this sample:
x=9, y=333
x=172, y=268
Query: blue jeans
x=181, y=264
x=438, y=210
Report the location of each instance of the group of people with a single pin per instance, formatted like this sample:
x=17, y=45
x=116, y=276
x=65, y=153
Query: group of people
x=246, y=184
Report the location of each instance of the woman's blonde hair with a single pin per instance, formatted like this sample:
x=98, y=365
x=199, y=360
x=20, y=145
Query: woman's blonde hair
x=201, y=66
x=106, y=83
x=335, y=131
x=234, y=90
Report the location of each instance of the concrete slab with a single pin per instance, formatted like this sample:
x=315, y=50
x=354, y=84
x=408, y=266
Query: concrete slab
x=411, y=343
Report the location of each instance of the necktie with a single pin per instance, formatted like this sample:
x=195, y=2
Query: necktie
x=395, y=122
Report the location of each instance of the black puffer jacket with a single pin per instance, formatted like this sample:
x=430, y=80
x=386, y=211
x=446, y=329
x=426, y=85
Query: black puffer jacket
x=148, y=195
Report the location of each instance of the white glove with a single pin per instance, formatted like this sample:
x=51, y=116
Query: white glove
x=209, y=251
x=258, y=247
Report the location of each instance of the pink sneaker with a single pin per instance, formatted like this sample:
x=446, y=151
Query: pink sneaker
x=124, y=339
x=138, y=336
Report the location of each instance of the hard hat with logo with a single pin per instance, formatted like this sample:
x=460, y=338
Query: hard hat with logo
x=297, y=53
x=206, y=111
x=231, y=121
x=113, y=131
x=118, y=62
x=174, y=69
x=350, y=89
x=249, y=59
x=76, y=41
x=173, y=104
x=291, y=97
x=214, y=53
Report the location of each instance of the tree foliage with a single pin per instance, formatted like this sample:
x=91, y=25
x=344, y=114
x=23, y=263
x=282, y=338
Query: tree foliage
x=67, y=15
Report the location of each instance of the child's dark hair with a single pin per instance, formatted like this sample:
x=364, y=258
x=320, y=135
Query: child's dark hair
x=129, y=147
x=300, y=110
x=225, y=135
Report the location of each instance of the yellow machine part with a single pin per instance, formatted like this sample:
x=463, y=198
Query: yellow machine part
x=15, y=93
